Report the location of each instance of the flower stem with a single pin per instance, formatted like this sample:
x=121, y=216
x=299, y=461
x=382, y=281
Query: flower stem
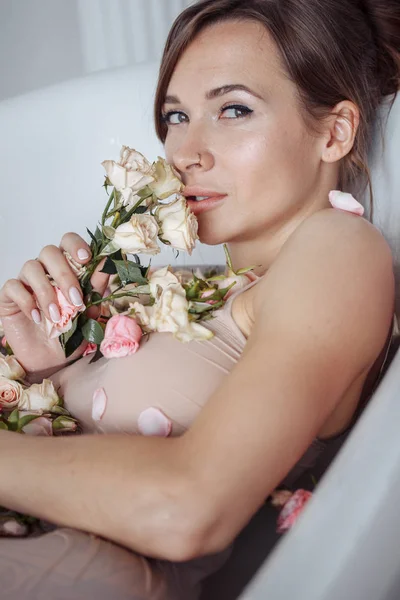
x=113, y=296
x=115, y=219
x=110, y=199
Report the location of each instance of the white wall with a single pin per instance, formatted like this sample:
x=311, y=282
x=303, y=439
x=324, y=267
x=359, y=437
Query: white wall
x=43, y=42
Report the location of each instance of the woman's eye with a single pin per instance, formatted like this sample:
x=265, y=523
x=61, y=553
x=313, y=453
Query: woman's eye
x=174, y=117
x=236, y=111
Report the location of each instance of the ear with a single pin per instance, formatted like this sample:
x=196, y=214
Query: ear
x=341, y=131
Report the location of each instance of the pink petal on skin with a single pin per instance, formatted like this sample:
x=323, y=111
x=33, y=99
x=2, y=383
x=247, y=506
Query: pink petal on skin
x=99, y=404
x=153, y=422
x=346, y=202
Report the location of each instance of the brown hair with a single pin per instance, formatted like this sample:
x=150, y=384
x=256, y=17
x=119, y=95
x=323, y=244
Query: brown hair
x=333, y=50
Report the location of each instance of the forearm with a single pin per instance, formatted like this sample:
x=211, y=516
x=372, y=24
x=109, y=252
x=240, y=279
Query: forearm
x=129, y=489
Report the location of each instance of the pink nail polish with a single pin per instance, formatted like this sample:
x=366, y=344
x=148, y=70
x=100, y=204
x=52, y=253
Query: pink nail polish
x=54, y=313
x=36, y=316
x=83, y=254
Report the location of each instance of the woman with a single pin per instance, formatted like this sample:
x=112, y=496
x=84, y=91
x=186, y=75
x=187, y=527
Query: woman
x=264, y=108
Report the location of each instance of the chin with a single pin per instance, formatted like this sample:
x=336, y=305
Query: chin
x=209, y=236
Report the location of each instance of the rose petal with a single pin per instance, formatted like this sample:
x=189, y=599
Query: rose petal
x=347, y=202
x=153, y=422
x=13, y=528
x=292, y=510
x=99, y=404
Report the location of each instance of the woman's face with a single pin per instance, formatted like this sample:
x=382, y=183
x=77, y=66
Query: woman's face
x=235, y=134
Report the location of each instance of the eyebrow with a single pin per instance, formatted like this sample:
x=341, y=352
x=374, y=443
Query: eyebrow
x=217, y=92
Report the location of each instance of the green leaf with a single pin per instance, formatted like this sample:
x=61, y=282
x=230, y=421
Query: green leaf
x=246, y=270
x=109, y=267
x=98, y=354
x=60, y=423
x=13, y=420
x=25, y=420
x=87, y=288
x=68, y=334
x=3, y=425
x=109, y=232
x=93, y=332
x=109, y=248
x=129, y=272
x=140, y=210
x=93, y=245
x=59, y=410
x=73, y=343
x=96, y=297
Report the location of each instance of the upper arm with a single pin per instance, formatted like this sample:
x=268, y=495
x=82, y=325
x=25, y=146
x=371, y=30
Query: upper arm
x=321, y=318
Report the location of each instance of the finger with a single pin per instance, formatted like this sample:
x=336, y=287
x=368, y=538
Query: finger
x=35, y=279
x=15, y=298
x=100, y=283
x=60, y=271
x=100, y=280
x=76, y=246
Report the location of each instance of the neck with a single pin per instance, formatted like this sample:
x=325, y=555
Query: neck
x=262, y=250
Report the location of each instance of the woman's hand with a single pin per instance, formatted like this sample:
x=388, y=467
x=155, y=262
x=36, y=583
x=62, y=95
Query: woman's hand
x=22, y=299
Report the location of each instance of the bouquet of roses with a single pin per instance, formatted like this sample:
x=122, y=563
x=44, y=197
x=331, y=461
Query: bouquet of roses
x=144, y=208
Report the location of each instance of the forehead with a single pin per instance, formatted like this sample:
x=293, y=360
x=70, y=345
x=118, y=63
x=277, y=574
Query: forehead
x=228, y=52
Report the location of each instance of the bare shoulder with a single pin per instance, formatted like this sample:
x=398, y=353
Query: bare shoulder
x=333, y=280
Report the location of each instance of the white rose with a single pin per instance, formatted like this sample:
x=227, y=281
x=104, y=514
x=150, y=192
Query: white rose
x=129, y=199
x=40, y=396
x=138, y=235
x=10, y=368
x=11, y=393
x=178, y=225
x=167, y=180
x=133, y=171
x=142, y=314
x=194, y=331
x=170, y=314
x=164, y=278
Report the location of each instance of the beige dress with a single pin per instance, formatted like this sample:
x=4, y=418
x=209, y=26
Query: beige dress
x=175, y=378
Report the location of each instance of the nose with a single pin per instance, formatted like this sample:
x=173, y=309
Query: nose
x=192, y=153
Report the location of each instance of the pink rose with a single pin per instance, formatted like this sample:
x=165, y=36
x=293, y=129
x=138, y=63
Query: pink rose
x=241, y=281
x=68, y=312
x=40, y=426
x=121, y=338
x=208, y=293
x=4, y=341
x=292, y=510
x=90, y=348
x=11, y=393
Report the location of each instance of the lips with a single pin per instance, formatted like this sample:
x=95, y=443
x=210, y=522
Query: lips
x=191, y=192
x=200, y=206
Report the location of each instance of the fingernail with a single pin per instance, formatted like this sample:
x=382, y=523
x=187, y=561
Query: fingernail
x=83, y=254
x=36, y=316
x=75, y=296
x=54, y=313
